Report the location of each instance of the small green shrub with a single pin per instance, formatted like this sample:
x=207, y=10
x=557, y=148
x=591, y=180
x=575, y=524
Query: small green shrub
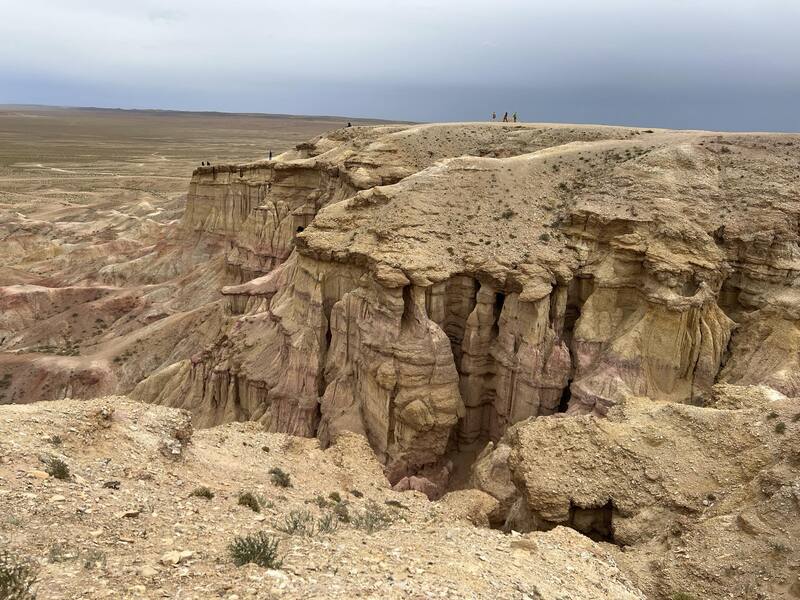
x=298, y=522
x=249, y=500
x=373, y=518
x=319, y=501
x=57, y=468
x=258, y=548
x=327, y=523
x=280, y=477
x=780, y=427
x=16, y=578
x=335, y=496
x=203, y=492
x=342, y=512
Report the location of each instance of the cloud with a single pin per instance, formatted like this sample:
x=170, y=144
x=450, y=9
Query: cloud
x=574, y=59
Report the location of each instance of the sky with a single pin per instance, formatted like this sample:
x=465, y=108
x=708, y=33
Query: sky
x=702, y=64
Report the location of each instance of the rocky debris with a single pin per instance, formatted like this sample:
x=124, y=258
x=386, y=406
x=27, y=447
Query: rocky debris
x=178, y=545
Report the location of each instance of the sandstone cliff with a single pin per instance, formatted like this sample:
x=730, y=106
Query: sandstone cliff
x=432, y=285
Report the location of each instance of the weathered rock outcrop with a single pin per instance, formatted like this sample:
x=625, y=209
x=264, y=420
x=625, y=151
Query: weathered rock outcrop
x=701, y=489
x=542, y=269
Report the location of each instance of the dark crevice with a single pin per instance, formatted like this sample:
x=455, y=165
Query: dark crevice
x=566, y=395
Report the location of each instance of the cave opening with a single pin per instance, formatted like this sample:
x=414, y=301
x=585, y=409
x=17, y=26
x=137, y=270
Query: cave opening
x=595, y=523
x=300, y=228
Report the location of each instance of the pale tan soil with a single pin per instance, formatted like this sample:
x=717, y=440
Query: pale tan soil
x=86, y=548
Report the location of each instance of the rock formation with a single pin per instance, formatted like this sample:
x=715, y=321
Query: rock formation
x=432, y=285
x=701, y=499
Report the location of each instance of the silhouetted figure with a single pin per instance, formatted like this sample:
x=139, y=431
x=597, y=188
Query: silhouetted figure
x=514, y=117
x=270, y=154
x=349, y=124
x=505, y=118
x=494, y=116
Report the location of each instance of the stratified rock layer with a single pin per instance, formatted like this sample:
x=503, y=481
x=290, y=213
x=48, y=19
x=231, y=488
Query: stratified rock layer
x=429, y=286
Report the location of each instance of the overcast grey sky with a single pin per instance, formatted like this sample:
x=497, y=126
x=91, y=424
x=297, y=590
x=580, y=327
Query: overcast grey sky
x=716, y=64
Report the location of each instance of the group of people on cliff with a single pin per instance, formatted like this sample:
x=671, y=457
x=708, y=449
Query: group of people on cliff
x=505, y=117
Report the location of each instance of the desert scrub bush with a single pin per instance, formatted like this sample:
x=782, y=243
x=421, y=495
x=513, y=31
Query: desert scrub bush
x=681, y=596
x=327, y=523
x=257, y=548
x=319, y=501
x=335, y=497
x=780, y=427
x=280, y=477
x=57, y=468
x=298, y=522
x=249, y=500
x=342, y=512
x=202, y=492
x=16, y=578
x=373, y=518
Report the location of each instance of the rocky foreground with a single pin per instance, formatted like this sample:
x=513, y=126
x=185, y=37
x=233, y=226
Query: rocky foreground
x=125, y=523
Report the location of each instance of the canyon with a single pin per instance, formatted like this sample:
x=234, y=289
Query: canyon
x=577, y=328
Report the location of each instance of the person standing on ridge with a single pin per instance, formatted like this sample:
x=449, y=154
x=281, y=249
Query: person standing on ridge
x=505, y=117
x=494, y=116
x=270, y=154
x=514, y=117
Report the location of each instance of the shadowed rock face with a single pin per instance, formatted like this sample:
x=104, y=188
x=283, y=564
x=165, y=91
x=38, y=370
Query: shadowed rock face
x=429, y=286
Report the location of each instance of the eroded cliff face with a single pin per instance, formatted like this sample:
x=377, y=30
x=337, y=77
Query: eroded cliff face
x=452, y=280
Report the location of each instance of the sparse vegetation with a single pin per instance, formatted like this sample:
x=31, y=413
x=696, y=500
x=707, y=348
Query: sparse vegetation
x=204, y=492
x=298, y=522
x=249, y=500
x=373, y=518
x=335, y=496
x=57, y=468
x=327, y=523
x=16, y=578
x=772, y=415
x=342, y=512
x=780, y=427
x=258, y=548
x=280, y=477
x=682, y=596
